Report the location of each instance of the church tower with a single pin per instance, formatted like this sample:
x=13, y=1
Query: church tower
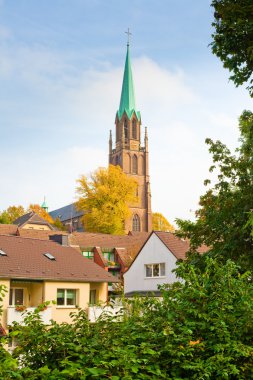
x=129, y=154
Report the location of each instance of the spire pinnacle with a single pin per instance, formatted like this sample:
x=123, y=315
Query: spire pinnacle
x=127, y=100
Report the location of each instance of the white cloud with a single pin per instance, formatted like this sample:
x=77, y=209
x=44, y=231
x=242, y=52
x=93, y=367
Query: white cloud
x=84, y=103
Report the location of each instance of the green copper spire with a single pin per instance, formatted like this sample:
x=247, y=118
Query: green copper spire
x=44, y=205
x=127, y=100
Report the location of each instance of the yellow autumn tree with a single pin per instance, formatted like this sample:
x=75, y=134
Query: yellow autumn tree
x=160, y=223
x=41, y=212
x=12, y=213
x=104, y=199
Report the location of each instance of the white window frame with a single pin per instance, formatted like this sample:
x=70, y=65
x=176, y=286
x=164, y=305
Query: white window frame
x=13, y=290
x=65, y=298
x=152, y=268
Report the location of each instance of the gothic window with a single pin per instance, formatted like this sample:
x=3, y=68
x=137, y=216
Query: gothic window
x=117, y=160
x=134, y=131
x=136, y=223
x=117, y=133
x=134, y=164
x=125, y=129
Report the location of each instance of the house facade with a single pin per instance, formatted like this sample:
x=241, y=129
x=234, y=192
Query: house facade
x=154, y=264
x=34, y=271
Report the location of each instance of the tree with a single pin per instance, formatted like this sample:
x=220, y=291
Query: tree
x=11, y=213
x=104, y=198
x=41, y=212
x=160, y=223
x=222, y=219
x=233, y=38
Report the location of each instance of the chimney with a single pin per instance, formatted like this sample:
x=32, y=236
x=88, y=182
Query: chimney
x=60, y=239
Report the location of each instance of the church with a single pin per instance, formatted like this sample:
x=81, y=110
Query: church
x=128, y=152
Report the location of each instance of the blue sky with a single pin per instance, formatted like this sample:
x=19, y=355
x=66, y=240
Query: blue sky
x=61, y=69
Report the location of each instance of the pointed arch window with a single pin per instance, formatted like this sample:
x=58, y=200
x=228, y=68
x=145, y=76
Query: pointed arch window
x=136, y=223
x=125, y=129
x=134, y=130
x=134, y=164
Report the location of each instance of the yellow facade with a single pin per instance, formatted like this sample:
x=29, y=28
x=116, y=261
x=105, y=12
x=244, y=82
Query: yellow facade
x=40, y=227
x=37, y=292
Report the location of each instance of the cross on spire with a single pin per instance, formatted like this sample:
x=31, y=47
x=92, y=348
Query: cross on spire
x=128, y=36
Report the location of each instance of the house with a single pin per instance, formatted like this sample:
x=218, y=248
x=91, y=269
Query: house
x=114, y=253
x=154, y=264
x=33, y=221
x=34, y=271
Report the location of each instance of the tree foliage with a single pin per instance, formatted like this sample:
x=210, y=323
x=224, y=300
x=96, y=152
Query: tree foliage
x=201, y=328
x=222, y=219
x=11, y=213
x=41, y=212
x=160, y=223
x=233, y=38
x=104, y=198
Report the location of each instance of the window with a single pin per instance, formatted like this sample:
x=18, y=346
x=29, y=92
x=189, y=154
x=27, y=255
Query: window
x=93, y=297
x=117, y=160
x=16, y=296
x=136, y=223
x=135, y=165
x=66, y=297
x=88, y=254
x=155, y=270
x=134, y=131
x=49, y=256
x=109, y=256
x=125, y=129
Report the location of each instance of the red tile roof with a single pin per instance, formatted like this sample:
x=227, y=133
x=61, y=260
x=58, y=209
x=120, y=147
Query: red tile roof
x=8, y=229
x=131, y=243
x=25, y=259
x=179, y=247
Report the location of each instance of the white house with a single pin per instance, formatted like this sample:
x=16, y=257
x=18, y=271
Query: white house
x=154, y=263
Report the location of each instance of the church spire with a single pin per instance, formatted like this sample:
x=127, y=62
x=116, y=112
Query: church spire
x=127, y=99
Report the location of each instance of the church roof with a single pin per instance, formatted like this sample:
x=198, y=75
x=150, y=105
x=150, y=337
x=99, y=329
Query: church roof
x=66, y=213
x=127, y=100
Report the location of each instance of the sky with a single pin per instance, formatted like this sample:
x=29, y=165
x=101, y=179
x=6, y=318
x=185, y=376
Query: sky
x=61, y=71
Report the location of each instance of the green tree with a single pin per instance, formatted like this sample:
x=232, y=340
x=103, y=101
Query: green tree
x=160, y=223
x=200, y=328
x=224, y=210
x=11, y=213
x=233, y=38
x=104, y=198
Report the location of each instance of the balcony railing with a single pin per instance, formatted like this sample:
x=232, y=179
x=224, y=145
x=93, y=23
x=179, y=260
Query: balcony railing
x=18, y=316
x=94, y=312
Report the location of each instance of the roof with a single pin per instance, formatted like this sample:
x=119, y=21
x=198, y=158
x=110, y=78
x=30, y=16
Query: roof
x=66, y=213
x=177, y=246
x=8, y=229
x=33, y=218
x=130, y=243
x=25, y=260
x=127, y=100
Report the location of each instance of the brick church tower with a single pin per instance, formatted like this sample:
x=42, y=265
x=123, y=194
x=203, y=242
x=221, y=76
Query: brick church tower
x=130, y=155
